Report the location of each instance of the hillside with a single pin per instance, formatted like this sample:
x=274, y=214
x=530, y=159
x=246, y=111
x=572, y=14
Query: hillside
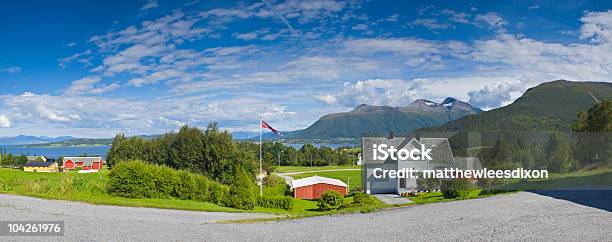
x=26, y=139
x=366, y=120
x=548, y=106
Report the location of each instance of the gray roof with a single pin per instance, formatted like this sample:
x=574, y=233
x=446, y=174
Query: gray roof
x=87, y=161
x=441, y=151
x=39, y=164
x=35, y=157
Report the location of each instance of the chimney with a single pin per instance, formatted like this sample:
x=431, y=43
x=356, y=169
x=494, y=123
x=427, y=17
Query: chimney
x=390, y=135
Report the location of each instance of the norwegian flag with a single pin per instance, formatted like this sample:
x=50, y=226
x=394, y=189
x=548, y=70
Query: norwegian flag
x=267, y=126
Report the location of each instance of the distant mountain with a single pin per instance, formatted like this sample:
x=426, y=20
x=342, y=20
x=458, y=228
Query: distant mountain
x=26, y=139
x=367, y=120
x=548, y=106
x=244, y=135
x=72, y=142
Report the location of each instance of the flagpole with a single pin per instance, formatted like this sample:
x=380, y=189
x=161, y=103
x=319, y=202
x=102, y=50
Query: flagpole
x=260, y=158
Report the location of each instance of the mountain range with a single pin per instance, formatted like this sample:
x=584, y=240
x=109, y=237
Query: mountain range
x=368, y=120
x=548, y=106
x=26, y=139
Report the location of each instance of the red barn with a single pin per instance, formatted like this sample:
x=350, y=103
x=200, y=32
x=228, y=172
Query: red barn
x=86, y=163
x=312, y=187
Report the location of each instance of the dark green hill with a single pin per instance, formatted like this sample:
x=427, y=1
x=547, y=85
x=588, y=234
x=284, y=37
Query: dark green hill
x=548, y=106
x=366, y=120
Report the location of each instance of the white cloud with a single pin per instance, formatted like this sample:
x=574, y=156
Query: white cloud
x=418, y=53
x=456, y=16
x=4, y=122
x=431, y=23
x=11, y=69
x=597, y=26
x=80, y=57
x=304, y=11
x=149, y=5
x=89, y=85
x=361, y=27
x=497, y=94
x=392, y=18
x=493, y=20
x=45, y=112
x=374, y=92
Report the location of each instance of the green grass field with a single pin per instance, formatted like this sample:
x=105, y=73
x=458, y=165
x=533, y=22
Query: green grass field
x=91, y=188
x=283, y=169
x=600, y=177
x=352, y=178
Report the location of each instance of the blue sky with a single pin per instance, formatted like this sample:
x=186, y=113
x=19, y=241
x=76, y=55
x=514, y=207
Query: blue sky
x=97, y=68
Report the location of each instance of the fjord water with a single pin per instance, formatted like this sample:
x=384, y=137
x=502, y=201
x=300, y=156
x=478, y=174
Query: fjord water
x=55, y=152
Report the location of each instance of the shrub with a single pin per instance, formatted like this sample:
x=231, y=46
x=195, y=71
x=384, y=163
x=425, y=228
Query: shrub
x=272, y=181
x=454, y=188
x=218, y=193
x=428, y=184
x=203, y=189
x=491, y=186
x=242, y=194
x=364, y=199
x=330, y=200
x=281, y=202
x=165, y=180
x=136, y=179
x=132, y=179
x=186, y=186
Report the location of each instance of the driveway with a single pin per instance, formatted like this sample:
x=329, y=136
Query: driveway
x=517, y=216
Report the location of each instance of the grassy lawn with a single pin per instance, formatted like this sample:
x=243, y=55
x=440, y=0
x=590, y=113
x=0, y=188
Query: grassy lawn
x=601, y=177
x=282, y=169
x=91, y=188
x=354, y=176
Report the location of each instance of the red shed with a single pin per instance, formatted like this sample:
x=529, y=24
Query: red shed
x=312, y=187
x=86, y=163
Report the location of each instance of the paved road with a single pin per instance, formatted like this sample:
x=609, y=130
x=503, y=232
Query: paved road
x=518, y=216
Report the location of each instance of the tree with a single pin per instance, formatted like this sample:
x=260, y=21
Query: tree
x=558, y=153
x=242, y=190
x=22, y=160
x=500, y=152
x=594, y=142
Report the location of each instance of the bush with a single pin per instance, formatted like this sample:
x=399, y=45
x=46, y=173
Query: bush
x=454, y=188
x=218, y=193
x=428, y=184
x=242, y=194
x=166, y=181
x=136, y=179
x=203, y=191
x=281, y=202
x=272, y=181
x=330, y=200
x=133, y=179
x=186, y=187
x=488, y=185
x=364, y=199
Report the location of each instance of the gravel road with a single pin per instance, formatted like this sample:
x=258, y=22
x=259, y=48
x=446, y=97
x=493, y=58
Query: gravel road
x=518, y=216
